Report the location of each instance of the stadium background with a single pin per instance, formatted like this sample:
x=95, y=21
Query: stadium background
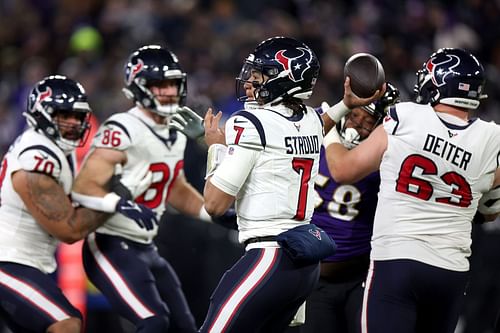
x=90, y=41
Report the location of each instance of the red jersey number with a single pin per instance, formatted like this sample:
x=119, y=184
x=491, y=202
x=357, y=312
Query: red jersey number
x=422, y=189
x=302, y=166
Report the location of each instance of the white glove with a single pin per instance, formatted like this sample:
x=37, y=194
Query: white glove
x=489, y=203
x=300, y=316
x=188, y=122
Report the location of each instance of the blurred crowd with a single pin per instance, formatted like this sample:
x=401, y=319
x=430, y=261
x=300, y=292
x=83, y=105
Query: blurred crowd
x=90, y=41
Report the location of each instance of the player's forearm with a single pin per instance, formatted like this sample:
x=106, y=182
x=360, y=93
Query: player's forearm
x=83, y=222
x=186, y=199
x=337, y=161
x=96, y=172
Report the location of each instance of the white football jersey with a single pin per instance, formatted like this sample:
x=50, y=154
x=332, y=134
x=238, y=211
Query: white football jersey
x=22, y=239
x=144, y=142
x=432, y=176
x=278, y=193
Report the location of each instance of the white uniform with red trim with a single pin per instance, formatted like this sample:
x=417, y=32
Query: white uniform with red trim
x=144, y=142
x=275, y=189
x=442, y=171
x=22, y=239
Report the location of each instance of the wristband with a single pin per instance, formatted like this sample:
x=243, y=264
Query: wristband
x=105, y=204
x=203, y=215
x=331, y=137
x=338, y=111
x=216, y=154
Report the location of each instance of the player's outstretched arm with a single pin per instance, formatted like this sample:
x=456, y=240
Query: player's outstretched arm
x=349, y=166
x=52, y=209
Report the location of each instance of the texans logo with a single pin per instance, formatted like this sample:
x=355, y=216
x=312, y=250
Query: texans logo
x=42, y=95
x=295, y=66
x=315, y=233
x=45, y=94
x=440, y=70
x=136, y=69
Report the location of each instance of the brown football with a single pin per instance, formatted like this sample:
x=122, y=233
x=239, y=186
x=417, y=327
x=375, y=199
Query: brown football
x=366, y=73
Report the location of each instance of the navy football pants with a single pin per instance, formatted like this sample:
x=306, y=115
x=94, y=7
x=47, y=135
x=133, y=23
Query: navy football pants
x=260, y=293
x=137, y=281
x=407, y=296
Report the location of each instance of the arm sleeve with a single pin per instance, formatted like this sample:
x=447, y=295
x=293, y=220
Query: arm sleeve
x=234, y=169
x=245, y=142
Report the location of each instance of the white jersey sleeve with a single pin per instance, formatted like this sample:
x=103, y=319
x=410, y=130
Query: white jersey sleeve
x=22, y=239
x=113, y=133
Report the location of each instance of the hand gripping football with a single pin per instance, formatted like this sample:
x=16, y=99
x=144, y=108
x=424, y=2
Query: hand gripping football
x=366, y=73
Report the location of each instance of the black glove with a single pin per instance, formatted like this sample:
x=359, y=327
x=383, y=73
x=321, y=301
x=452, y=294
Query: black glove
x=227, y=220
x=142, y=215
x=119, y=188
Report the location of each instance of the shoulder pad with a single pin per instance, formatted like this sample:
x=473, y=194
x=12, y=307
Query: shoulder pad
x=39, y=158
x=114, y=134
x=246, y=130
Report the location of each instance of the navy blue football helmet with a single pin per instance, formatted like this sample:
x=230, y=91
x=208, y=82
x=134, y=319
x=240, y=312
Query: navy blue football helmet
x=378, y=109
x=451, y=76
x=148, y=65
x=50, y=101
x=290, y=69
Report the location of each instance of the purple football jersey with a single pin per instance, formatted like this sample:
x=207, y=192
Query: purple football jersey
x=346, y=212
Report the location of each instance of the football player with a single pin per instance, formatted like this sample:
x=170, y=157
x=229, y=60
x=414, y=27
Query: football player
x=36, y=213
x=268, y=167
x=120, y=258
x=436, y=162
x=346, y=213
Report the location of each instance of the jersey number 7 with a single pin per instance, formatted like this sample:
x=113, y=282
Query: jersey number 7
x=303, y=166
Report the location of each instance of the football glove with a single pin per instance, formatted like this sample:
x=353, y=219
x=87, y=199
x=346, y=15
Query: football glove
x=188, y=122
x=142, y=215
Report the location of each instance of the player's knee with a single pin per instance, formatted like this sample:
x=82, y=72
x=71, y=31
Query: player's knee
x=70, y=325
x=153, y=324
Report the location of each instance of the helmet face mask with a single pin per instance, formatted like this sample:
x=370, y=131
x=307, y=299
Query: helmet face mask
x=288, y=68
x=349, y=125
x=150, y=66
x=453, y=77
x=58, y=108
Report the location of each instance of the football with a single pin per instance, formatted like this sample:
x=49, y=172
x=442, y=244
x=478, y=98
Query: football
x=366, y=73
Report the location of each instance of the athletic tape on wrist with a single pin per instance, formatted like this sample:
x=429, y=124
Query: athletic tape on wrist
x=216, y=154
x=203, y=215
x=331, y=137
x=338, y=111
x=105, y=204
